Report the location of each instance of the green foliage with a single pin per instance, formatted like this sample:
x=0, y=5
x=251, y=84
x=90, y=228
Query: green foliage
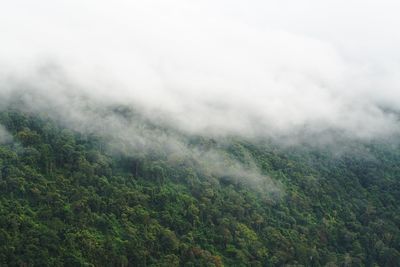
x=64, y=201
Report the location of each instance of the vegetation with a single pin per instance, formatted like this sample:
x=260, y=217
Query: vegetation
x=66, y=201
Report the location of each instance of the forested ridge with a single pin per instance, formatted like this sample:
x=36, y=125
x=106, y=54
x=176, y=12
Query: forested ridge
x=66, y=200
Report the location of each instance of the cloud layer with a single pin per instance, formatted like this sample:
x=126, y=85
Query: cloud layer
x=216, y=67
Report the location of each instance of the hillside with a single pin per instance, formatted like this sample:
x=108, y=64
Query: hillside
x=68, y=200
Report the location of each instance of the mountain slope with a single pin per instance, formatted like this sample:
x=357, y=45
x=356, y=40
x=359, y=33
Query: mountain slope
x=66, y=200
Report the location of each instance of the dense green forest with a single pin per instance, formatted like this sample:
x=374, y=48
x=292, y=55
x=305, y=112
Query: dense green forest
x=66, y=200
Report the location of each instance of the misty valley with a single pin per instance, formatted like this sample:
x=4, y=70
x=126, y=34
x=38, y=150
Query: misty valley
x=76, y=198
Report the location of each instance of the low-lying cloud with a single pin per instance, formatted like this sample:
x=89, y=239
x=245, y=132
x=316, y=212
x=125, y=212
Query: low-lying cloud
x=215, y=68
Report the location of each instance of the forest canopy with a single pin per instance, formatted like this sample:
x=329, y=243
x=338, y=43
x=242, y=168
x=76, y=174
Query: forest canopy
x=68, y=200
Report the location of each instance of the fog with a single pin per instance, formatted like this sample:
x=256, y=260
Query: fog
x=5, y=136
x=215, y=67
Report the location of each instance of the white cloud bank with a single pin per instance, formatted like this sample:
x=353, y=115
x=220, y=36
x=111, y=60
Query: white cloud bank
x=216, y=67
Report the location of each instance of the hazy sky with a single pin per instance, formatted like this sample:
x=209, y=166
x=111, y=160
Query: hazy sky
x=226, y=67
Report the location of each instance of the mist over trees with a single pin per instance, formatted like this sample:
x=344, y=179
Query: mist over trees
x=212, y=68
x=212, y=133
